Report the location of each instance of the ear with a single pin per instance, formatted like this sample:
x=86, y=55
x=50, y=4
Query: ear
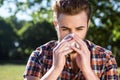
x=55, y=23
x=89, y=22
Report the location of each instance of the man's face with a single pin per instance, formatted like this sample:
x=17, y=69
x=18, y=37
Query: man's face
x=72, y=24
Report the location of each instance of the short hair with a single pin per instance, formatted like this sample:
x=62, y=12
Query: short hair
x=72, y=7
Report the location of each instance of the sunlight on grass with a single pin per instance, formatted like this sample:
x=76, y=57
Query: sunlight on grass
x=119, y=70
x=11, y=72
x=14, y=72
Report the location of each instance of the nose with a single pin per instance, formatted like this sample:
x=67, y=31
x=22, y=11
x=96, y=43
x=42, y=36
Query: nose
x=71, y=35
x=72, y=32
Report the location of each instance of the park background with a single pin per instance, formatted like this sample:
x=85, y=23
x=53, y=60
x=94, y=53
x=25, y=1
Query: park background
x=27, y=24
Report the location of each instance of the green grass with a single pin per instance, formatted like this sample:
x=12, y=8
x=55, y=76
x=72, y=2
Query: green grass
x=119, y=70
x=11, y=72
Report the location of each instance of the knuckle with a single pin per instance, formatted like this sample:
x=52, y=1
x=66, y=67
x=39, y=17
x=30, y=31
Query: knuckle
x=54, y=51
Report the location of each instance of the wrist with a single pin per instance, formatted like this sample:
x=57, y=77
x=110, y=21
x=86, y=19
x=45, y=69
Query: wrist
x=88, y=73
x=86, y=69
x=56, y=69
x=52, y=74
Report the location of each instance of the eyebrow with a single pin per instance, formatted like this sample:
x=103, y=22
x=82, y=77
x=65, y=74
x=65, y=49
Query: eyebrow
x=76, y=27
x=64, y=27
x=80, y=27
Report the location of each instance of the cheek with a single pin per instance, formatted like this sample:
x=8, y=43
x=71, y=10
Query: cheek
x=82, y=34
x=63, y=33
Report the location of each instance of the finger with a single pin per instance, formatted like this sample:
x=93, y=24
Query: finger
x=67, y=41
x=80, y=42
x=66, y=46
x=70, y=43
x=62, y=47
x=65, y=52
x=60, y=44
x=76, y=50
x=68, y=37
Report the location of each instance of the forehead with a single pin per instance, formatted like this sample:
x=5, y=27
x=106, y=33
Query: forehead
x=73, y=20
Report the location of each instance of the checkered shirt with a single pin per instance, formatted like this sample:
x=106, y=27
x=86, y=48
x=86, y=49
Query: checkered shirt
x=103, y=63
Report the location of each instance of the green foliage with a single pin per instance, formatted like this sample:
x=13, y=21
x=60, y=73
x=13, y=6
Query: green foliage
x=36, y=35
x=105, y=31
x=1, y=2
x=7, y=37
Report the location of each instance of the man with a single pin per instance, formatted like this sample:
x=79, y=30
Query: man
x=72, y=57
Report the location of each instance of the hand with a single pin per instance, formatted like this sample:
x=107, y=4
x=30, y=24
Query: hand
x=83, y=54
x=59, y=52
x=59, y=60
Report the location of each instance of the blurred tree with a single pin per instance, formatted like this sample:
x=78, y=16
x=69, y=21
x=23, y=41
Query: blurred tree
x=105, y=24
x=7, y=38
x=36, y=35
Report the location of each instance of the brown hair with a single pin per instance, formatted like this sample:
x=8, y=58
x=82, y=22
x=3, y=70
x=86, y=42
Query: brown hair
x=72, y=7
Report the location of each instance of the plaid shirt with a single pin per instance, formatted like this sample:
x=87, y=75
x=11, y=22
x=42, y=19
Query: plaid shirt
x=103, y=63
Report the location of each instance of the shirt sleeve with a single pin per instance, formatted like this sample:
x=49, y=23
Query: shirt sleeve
x=34, y=65
x=111, y=69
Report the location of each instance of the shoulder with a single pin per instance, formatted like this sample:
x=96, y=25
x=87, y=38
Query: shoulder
x=102, y=56
x=38, y=60
x=100, y=51
x=104, y=60
x=47, y=46
x=44, y=50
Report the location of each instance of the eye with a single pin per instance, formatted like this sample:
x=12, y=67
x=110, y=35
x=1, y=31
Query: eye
x=64, y=29
x=79, y=29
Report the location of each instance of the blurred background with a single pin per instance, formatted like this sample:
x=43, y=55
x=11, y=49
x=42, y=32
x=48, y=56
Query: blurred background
x=27, y=24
